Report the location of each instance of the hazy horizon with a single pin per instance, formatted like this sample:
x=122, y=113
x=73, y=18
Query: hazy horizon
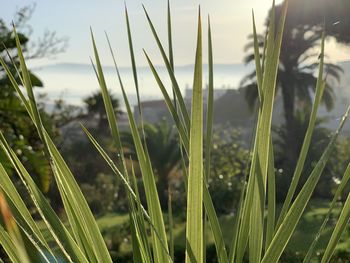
x=72, y=82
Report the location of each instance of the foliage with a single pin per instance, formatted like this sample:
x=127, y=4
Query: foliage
x=254, y=222
x=296, y=80
x=320, y=139
x=14, y=121
x=164, y=153
x=317, y=14
x=229, y=158
x=102, y=194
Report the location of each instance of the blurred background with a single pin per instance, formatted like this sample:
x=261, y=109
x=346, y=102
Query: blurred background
x=57, y=43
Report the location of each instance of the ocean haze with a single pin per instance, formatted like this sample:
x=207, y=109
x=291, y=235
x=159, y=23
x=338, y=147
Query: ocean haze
x=72, y=82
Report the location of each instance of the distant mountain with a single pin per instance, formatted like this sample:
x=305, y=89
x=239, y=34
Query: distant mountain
x=64, y=67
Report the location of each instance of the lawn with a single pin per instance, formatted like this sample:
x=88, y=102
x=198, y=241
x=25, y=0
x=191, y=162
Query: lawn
x=300, y=241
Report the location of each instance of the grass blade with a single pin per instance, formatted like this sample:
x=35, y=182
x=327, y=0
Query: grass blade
x=160, y=245
x=307, y=139
x=181, y=129
x=140, y=248
x=112, y=120
x=53, y=223
x=140, y=218
x=209, y=207
x=171, y=55
x=151, y=190
x=171, y=226
x=244, y=212
x=271, y=199
x=127, y=186
x=210, y=107
x=176, y=88
x=10, y=247
x=339, y=227
x=218, y=239
x=20, y=211
x=194, y=223
x=264, y=135
x=290, y=221
x=133, y=63
x=258, y=67
x=170, y=41
x=76, y=206
x=14, y=235
x=337, y=194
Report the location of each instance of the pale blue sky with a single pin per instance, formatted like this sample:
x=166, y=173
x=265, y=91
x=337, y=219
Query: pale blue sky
x=231, y=23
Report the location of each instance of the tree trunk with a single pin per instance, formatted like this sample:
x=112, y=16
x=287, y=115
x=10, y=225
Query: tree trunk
x=163, y=185
x=288, y=94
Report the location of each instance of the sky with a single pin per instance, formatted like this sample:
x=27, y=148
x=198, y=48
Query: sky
x=230, y=20
x=231, y=23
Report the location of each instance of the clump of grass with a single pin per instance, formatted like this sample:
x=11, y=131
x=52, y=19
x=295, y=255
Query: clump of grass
x=261, y=237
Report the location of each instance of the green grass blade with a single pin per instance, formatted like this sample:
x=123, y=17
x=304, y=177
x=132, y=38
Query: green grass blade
x=213, y=219
x=138, y=246
x=171, y=55
x=238, y=246
x=194, y=222
x=307, y=139
x=215, y=226
x=339, y=227
x=28, y=85
x=137, y=255
x=181, y=102
x=258, y=69
x=181, y=129
x=140, y=220
x=14, y=234
x=19, y=209
x=170, y=39
x=337, y=194
x=264, y=132
x=218, y=238
x=171, y=225
x=133, y=63
x=72, y=197
x=209, y=129
x=210, y=107
x=10, y=247
x=151, y=191
x=53, y=223
x=271, y=199
x=36, y=253
x=160, y=245
x=114, y=168
x=294, y=214
x=129, y=189
x=112, y=120
x=16, y=86
x=235, y=230
x=84, y=220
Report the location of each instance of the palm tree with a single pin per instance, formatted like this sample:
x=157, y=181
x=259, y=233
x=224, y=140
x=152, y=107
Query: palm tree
x=164, y=153
x=296, y=77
